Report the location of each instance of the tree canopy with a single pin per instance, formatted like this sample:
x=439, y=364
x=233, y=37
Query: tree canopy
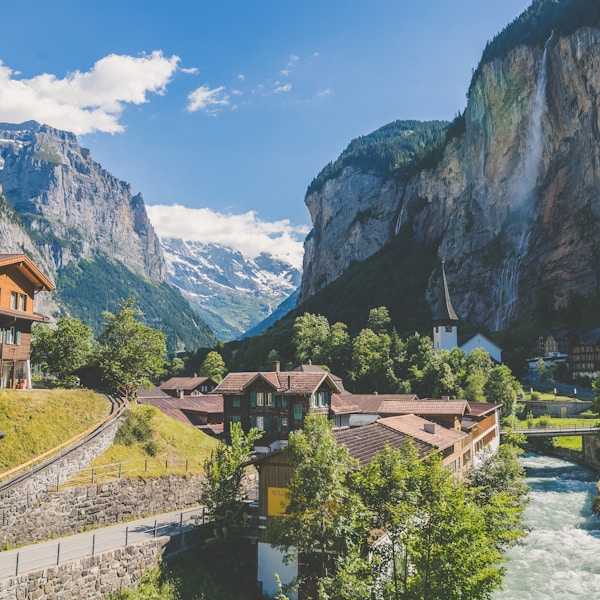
x=130, y=352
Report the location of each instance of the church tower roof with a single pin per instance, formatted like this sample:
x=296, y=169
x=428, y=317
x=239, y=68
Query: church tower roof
x=444, y=313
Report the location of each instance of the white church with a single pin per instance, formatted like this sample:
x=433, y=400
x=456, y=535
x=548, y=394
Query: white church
x=445, y=329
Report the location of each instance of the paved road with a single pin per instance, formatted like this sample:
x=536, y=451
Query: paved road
x=47, y=554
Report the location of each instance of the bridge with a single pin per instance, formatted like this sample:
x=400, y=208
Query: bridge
x=583, y=430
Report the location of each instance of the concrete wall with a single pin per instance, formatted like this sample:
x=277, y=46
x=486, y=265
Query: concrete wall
x=91, y=578
x=73, y=510
x=539, y=408
x=591, y=451
x=270, y=562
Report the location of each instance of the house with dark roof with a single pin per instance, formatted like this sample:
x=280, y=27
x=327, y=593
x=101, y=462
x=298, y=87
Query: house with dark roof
x=585, y=354
x=277, y=402
x=188, y=386
x=20, y=280
x=204, y=411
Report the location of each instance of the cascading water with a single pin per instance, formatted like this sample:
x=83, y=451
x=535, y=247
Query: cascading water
x=523, y=195
x=558, y=560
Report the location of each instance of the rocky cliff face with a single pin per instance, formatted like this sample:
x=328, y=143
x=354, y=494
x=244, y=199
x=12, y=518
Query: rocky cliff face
x=84, y=229
x=513, y=202
x=72, y=207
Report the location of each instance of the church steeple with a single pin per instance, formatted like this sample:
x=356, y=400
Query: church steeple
x=445, y=319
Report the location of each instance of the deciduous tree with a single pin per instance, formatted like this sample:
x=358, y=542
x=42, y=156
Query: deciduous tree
x=213, y=366
x=130, y=353
x=502, y=388
x=63, y=350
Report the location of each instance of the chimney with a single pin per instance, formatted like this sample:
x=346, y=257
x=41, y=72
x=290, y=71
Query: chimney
x=446, y=398
x=276, y=366
x=289, y=382
x=429, y=427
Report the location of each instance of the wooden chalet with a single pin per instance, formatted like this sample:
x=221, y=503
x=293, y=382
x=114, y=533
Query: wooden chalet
x=20, y=280
x=276, y=402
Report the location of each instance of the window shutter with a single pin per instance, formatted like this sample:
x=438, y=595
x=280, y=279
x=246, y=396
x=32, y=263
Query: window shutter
x=253, y=399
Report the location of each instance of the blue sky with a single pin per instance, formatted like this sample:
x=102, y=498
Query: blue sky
x=231, y=108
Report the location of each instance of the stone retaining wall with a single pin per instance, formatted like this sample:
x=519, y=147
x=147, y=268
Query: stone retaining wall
x=73, y=510
x=17, y=502
x=91, y=578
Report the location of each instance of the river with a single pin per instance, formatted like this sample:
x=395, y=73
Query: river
x=560, y=558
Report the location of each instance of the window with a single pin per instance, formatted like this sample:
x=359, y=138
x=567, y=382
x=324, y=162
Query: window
x=237, y=419
x=12, y=336
x=269, y=399
x=320, y=399
x=260, y=422
x=298, y=412
x=13, y=300
x=237, y=402
x=22, y=301
x=260, y=399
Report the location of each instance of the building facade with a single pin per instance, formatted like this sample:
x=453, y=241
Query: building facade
x=20, y=280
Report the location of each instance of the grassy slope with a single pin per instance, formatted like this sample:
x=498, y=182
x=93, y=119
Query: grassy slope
x=38, y=420
x=180, y=448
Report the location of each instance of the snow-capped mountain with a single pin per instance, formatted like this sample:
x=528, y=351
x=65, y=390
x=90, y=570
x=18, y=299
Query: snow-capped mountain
x=231, y=292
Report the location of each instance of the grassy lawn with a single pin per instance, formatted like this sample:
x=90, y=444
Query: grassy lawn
x=169, y=447
x=570, y=442
x=558, y=422
x=36, y=421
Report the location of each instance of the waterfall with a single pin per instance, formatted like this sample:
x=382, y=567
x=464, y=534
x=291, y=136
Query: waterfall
x=523, y=192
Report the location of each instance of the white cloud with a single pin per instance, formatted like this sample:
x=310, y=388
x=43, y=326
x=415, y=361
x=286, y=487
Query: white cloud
x=287, y=87
x=210, y=101
x=245, y=232
x=89, y=101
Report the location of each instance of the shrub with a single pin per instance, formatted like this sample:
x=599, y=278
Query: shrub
x=137, y=427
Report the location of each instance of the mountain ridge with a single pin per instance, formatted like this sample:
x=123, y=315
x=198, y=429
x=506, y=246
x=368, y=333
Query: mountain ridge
x=67, y=212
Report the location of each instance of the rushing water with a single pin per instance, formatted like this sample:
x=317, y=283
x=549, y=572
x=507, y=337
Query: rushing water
x=560, y=558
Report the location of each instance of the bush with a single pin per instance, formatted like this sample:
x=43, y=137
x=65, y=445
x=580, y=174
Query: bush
x=137, y=428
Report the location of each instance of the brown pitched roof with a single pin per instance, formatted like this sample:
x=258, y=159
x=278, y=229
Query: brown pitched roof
x=28, y=269
x=365, y=442
x=184, y=383
x=405, y=404
x=372, y=402
x=438, y=436
x=478, y=409
x=177, y=408
x=343, y=403
x=282, y=382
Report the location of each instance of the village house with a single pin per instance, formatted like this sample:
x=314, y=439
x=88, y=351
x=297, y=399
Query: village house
x=188, y=386
x=363, y=444
x=276, y=402
x=204, y=411
x=585, y=354
x=20, y=280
